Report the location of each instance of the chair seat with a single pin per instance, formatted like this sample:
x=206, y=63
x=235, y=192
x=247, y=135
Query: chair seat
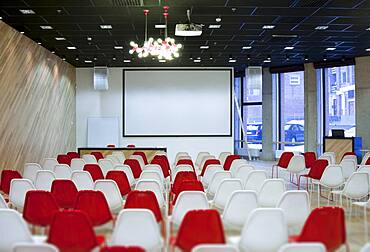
x=362, y=204
x=337, y=192
x=39, y=239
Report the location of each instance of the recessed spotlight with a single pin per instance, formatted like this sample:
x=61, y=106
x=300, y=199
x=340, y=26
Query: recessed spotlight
x=118, y=47
x=106, y=27
x=114, y=58
x=248, y=57
x=268, y=27
x=27, y=11
x=46, y=27
x=63, y=59
x=214, y=26
x=1, y=18
x=88, y=61
x=267, y=61
x=53, y=52
x=126, y=61
x=162, y=60
x=89, y=38
x=39, y=43
x=246, y=47
x=330, y=49
x=77, y=59
x=367, y=49
x=306, y=58
x=160, y=26
x=197, y=60
x=368, y=29
x=60, y=38
x=191, y=57
x=321, y=27
x=95, y=58
x=71, y=48
x=22, y=32
x=289, y=48
x=218, y=20
x=232, y=60
x=204, y=47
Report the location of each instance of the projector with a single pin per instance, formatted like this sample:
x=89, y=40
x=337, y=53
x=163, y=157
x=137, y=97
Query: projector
x=188, y=30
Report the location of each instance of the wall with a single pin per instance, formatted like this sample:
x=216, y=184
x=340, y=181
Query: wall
x=91, y=103
x=37, y=101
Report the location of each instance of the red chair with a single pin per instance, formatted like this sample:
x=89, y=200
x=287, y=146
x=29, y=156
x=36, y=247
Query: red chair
x=283, y=162
x=185, y=162
x=73, y=154
x=111, y=146
x=367, y=161
x=131, y=146
x=142, y=154
x=189, y=185
x=122, y=249
x=350, y=153
x=162, y=161
x=315, y=172
x=135, y=167
x=64, y=159
x=6, y=178
x=144, y=199
x=71, y=231
x=325, y=225
x=309, y=158
x=209, y=162
x=94, y=204
x=200, y=227
x=64, y=192
x=121, y=180
x=180, y=177
x=39, y=208
x=229, y=160
x=97, y=154
x=94, y=170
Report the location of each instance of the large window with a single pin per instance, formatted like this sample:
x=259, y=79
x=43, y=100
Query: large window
x=291, y=111
x=339, y=95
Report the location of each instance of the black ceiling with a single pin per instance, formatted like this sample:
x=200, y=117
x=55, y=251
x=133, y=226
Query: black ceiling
x=241, y=25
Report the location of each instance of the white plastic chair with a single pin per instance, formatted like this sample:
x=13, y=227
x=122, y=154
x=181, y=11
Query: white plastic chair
x=30, y=170
x=209, y=172
x=271, y=192
x=154, y=167
x=214, y=248
x=224, y=191
x=49, y=163
x=140, y=229
x=180, y=155
x=82, y=180
x=350, y=157
x=364, y=158
x=331, y=178
x=89, y=159
x=264, y=231
x=364, y=205
x=127, y=170
x=243, y=172
x=296, y=207
x=111, y=192
x=296, y=166
x=303, y=247
x=238, y=208
x=155, y=175
x=18, y=191
x=216, y=180
x=119, y=154
x=199, y=159
x=255, y=180
x=140, y=159
x=365, y=168
x=113, y=158
x=348, y=167
x=3, y=203
x=77, y=164
x=327, y=158
x=205, y=158
x=105, y=165
x=154, y=186
x=62, y=171
x=236, y=164
x=222, y=157
x=332, y=156
x=30, y=247
x=44, y=179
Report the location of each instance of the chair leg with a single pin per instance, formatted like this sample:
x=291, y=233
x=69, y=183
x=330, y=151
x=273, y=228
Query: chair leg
x=318, y=195
x=365, y=223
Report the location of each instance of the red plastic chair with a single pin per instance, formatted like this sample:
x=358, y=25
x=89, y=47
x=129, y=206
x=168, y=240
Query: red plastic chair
x=209, y=162
x=94, y=204
x=283, y=162
x=6, y=178
x=325, y=225
x=71, y=231
x=162, y=161
x=97, y=154
x=135, y=167
x=111, y=146
x=64, y=159
x=309, y=158
x=122, y=249
x=200, y=227
x=94, y=170
x=350, y=153
x=142, y=154
x=367, y=161
x=189, y=185
x=121, y=180
x=229, y=160
x=39, y=208
x=144, y=199
x=180, y=177
x=73, y=154
x=185, y=162
x=316, y=171
x=64, y=192
x=131, y=146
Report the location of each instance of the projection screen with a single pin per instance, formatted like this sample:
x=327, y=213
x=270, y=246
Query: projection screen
x=177, y=102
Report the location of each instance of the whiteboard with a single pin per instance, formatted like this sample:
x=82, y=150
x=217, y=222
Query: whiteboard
x=102, y=131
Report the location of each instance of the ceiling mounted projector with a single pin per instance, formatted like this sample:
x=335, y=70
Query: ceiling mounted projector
x=189, y=29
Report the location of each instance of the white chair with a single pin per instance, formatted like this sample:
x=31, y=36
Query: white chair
x=331, y=178
x=3, y=203
x=350, y=157
x=140, y=159
x=30, y=170
x=222, y=157
x=89, y=159
x=199, y=159
x=140, y=229
x=208, y=174
x=205, y=158
x=105, y=165
x=296, y=207
x=303, y=247
x=77, y=164
x=238, y=208
x=214, y=248
x=30, y=247
x=236, y=164
x=62, y=171
x=216, y=180
x=243, y=172
x=154, y=186
x=332, y=157
x=44, y=179
x=327, y=158
x=224, y=191
x=296, y=166
x=111, y=192
x=82, y=180
x=364, y=205
x=365, y=168
x=119, y=154
x=348, y=167
x=155, y=175
x=179, y=168
x=365, y=158
x=181, y=155
x=127, y=170
x=271, y=192
x=264, y=231
x=255, y=180
x=113, y=158
x=49, y=163
x=18, y=191
x=154, y=167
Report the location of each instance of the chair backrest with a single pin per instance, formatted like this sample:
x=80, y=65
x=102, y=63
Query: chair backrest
x=185, y=162
x=140, y=159
x=332, y=176
x=134, y=166
x=127, y=170
x=309, y=158
x=119, y=154
x=317, y=168
x=332, y=156
x=105, y=165
x=224, y=190
x=144, y=199
x=97, y=154
x=255, y=180
x=115, y=160
x=285, y=159
x=140, y=229
x=82, y=180
x=365, y=168
x=229, y=160
x=62, y=171
x=207, y=163
x=181, y=168
x=111, y=193
x=238, y=208
x=303, y=247
x=94, y=204
x=120, y=177
x=49, y=163
x=64, y=192
x=156, y=175
x=30, y=247
x=77, y=164
x=44, y=179
x=349, y=166
x=188, y=185
x=223, y=155
x=180, y=177
x=64, y=159
x=296, y=164
x=357, y=186
x=163, y=162
x=89, y=159
x=236, y=164
x=265, y=230
x=216, y=180
x=365, y=158
x=181, y=155
x=6, y=178
x=143, y=156
x=79, y=238
x=209, y=172
x=327, y=158
x=13, y=229
x=94, y=170
x=349, y=154
x=186, y=201
x=3, y=204
x=200, y=157
x=30, y=170
x=243, y=172
x=271, y=192
x=151, y=185
x=296, y=207
x=73, y=154
x=18, y=191
x=154, y=167
x=214, y=248
x=200, y=227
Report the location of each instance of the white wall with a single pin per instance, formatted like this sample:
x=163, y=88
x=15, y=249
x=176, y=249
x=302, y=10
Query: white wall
x=109, y=103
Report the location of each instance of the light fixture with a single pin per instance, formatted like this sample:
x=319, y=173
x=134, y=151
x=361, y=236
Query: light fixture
x=126, y=61
x=89, y=38
x=22, y=32
x=114, y=58
x=306, y=58
x=118, y=47
x=246, y=47
x=367, y=49
x=27, y=11
x=197, y=60
x=1, y=18
x=160, y=26
x=204, y=47
x=232, y=60
x=368, y=29
x=268, y=27
x=248, y=57
x=211, y=57
x=63, y=58
x=95, y=58
x=88, y=61
x=321, y=27
x=162, y=61
x=218, y=19
x=53, y=52
x=287, y=57
x=106, y=26
x=46, y=27
x=267, y=61
x=289, y=48
x=77, y=59
x=71, y=48
x=214, y=26
x=39, y=43
x=60, y=38
x=330, y=49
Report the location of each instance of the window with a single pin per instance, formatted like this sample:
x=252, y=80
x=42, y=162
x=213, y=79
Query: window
x=339, y=97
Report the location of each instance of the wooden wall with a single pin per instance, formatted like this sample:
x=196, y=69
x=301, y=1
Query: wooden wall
x=37, y=101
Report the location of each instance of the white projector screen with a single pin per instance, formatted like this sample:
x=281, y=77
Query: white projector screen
x=174, y=102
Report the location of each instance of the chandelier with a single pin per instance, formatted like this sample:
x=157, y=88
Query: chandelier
x=161, y=48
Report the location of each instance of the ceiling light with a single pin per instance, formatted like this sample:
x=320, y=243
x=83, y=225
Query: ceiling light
x=126, y=61
x=268, y=27
x=218, y=20
x=306, y=58
x=289, y=48
x=248, y=57
x=246, y=47
x=197, y=60
x=77, y=59
x=114, y=58
x=214, y=26
x=160, y=26
x=204, y=47
x=95, y=58
x=267, y=61
x=88, y=61
x=71, y=48
x=321, y=27
x=27, y=11
x=211, y=58
x=232, y=60
x=22, y=32
x=60, y=38
x=53, y=52
x=284, y=35
x=46, y=27
x=39, y=43
x=162, y=60
x=118, y=47
x=63, y=58
x=330, y=49
x=1, y=18
x=89, y=38
x=367, y=49
x=368, y=29
x=106, y=27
